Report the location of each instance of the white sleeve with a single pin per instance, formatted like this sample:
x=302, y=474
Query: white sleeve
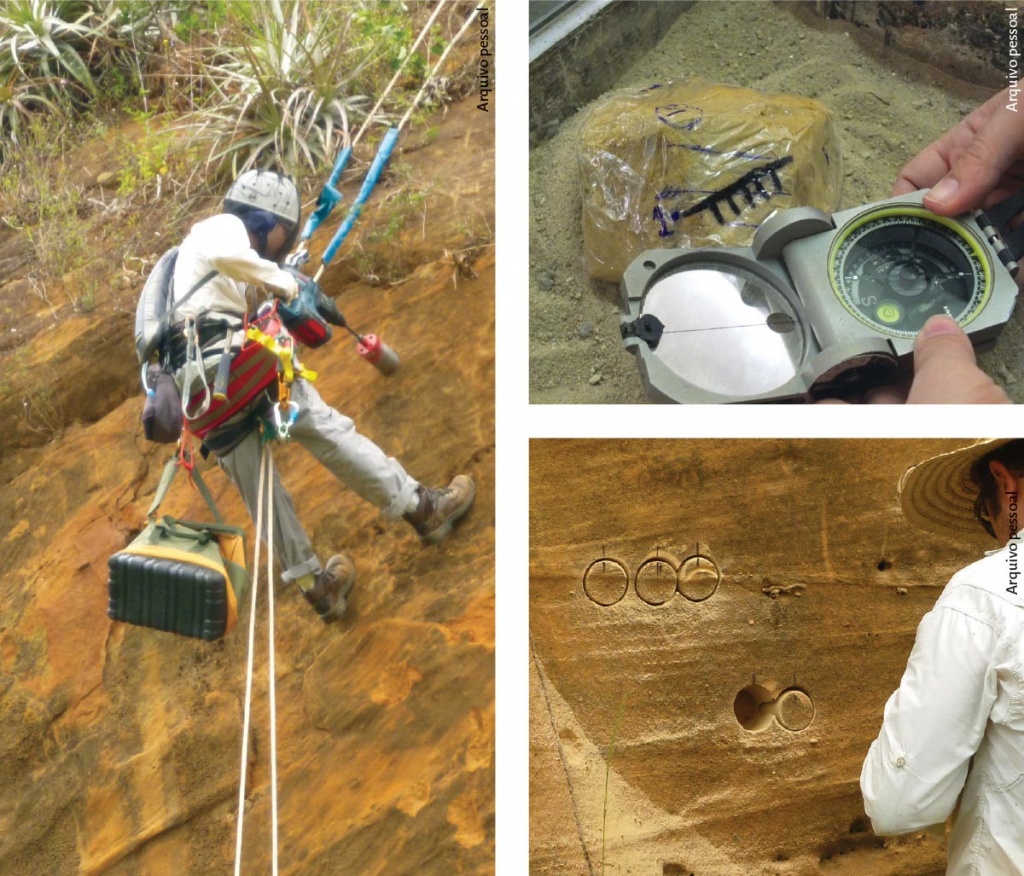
x=236, y=259
x=933, y=724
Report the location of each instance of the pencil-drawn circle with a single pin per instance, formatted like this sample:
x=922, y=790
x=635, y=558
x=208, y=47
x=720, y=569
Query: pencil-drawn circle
x=605, y=581
x=656, y=581
x=698, y=578
x=794, y=709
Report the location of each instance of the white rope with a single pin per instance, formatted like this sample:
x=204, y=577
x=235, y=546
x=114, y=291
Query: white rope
x=398, y=72
x=437, y=66
x=266, y=487
x=248, y=677
x=270, y=658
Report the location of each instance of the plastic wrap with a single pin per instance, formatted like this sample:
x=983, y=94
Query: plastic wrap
x=689, y=164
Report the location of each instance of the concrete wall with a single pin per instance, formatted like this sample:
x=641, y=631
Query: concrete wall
x=581, y=53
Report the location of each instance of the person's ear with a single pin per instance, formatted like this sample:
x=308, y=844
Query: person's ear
x=1004, y=478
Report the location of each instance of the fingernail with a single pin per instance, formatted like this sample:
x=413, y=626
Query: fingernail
x=945, y=191
x=940, y=325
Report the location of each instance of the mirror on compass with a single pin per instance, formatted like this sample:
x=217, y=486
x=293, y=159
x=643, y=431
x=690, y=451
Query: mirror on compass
x=725, y=330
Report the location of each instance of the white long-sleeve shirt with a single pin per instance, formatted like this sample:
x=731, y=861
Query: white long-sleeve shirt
x=961, y=697
x=221, y=243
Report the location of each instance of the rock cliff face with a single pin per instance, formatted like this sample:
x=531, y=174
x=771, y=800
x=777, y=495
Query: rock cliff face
x=120, y=746
x=716, y=627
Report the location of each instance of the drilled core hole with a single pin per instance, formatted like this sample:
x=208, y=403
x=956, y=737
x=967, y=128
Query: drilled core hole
x=754, y=707
x=883, y=565
x=698, y=578
x=656, y=582
x=605, y=582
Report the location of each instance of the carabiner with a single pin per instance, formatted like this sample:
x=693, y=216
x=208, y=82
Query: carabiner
x=277, y=426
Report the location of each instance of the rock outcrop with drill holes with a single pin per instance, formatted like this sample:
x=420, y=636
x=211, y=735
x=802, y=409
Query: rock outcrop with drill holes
x=715, y=629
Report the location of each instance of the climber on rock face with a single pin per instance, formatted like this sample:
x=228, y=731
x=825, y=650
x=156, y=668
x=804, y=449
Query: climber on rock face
x=239, y=250
x=954, y=730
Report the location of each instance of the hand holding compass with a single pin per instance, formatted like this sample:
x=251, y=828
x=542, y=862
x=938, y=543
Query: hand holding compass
x=818, y=305
x=978, y=161
x=945, y=372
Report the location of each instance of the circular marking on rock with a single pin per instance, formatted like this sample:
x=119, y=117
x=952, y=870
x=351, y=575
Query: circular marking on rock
x=794, y=709
x=698, y=578
x=656, y=581
x=605, y=581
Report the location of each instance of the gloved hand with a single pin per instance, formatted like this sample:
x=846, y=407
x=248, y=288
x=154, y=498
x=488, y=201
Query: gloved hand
x=314, y=298
x=309, y=289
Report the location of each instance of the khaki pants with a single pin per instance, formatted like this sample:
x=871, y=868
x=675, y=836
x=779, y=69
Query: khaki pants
x=352, y=458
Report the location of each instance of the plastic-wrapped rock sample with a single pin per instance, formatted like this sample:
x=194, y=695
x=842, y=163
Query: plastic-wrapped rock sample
x=693, y=164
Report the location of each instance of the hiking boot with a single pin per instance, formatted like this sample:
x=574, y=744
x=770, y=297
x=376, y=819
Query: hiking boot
x=329, y=595
x=439, y=510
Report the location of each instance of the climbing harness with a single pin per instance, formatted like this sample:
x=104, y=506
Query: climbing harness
x=267, y=350
x=283, y=415
x=266, y=489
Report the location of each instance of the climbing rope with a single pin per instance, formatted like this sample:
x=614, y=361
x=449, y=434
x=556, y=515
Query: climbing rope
x=266, y=488
x=398, y=72
x=330, y=196
x=437, y=66
x=268, y=460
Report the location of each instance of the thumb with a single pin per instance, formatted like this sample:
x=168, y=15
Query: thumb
x=979, y=168
x=942, y=339
x=945, y=368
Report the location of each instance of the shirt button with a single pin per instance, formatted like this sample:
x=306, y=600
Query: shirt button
x=901, y=761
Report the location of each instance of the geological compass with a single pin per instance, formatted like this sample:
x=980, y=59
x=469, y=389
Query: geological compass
x=817, y=306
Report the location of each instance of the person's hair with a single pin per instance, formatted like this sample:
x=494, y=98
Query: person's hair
x=257, y=222
x=1012, y=456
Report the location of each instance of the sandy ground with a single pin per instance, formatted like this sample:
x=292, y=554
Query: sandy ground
x=887, y=107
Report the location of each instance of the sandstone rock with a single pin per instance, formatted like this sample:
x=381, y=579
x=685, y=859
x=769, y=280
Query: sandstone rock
x=714, y=736
x=120, y=746
x=692, y=164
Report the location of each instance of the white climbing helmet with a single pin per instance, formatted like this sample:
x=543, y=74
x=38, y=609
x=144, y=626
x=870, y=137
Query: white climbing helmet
x=267, y=190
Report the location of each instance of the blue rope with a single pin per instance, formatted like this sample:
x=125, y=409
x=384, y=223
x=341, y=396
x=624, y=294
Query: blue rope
x=372, y=176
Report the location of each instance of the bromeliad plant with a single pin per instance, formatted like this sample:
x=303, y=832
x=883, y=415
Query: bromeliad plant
x=291, y=76
x=54, y=55
x=282, y=88
x=51, y=43
x=18, y=100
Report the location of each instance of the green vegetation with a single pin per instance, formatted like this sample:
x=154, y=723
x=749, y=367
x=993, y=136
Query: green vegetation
x=264, y=82
x=212, y=87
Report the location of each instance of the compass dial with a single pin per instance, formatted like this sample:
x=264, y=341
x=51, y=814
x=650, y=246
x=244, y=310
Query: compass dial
x=893, y=267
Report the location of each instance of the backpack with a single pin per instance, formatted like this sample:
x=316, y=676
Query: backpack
x=161, y=414
x=152, y=316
